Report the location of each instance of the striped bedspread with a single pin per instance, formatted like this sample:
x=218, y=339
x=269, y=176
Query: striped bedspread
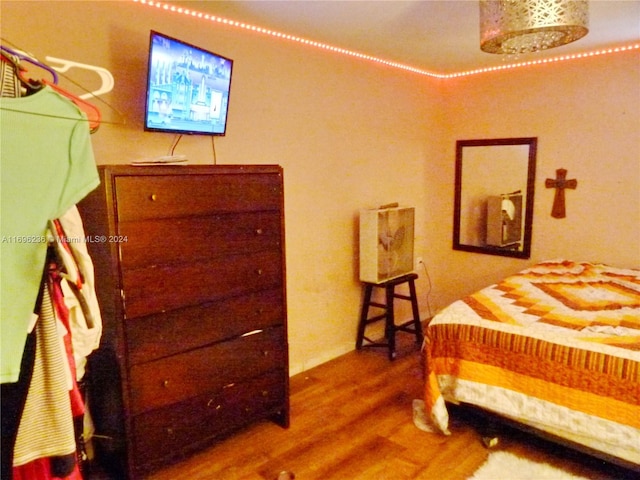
x=556, y=347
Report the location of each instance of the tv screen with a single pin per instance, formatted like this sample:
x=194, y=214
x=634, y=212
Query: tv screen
x=187, y=88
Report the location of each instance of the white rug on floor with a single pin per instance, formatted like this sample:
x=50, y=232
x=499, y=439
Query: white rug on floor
x=506, y=466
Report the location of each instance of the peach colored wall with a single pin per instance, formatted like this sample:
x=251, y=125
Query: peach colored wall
x=350, y=134
x=586, y=115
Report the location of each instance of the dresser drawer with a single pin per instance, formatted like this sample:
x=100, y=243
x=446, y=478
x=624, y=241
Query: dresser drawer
x=180, y=377
x=166, y=196
x=168, y=241
x=155, y=336
x=161, y=288
x=167, y=431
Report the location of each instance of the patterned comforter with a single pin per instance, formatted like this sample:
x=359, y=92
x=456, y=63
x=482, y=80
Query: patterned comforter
x=556, y=347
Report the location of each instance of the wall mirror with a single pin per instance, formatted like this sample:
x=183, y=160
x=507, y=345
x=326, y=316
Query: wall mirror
x=494, y=187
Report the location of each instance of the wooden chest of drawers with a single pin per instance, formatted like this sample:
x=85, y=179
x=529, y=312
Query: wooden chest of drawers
x=191, y=281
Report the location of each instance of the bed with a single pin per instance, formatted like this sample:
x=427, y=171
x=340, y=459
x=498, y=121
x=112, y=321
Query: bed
x=555, y=347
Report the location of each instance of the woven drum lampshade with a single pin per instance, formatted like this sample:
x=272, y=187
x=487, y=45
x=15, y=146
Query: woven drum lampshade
x=523, y=26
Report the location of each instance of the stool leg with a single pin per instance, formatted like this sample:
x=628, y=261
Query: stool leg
x=364, y=315
x=390, y=326
x=416, y=312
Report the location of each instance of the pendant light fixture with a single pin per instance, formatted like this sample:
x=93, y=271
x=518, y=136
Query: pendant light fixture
x=515, y=27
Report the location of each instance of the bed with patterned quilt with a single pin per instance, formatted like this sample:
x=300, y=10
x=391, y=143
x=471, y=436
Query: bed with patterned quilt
x=555, y=347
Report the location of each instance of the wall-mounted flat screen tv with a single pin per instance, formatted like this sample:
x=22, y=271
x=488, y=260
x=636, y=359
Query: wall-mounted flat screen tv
x=187, y=88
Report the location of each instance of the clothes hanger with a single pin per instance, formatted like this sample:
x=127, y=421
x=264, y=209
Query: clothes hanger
x=31, y=60
x=57, y=68
x=62, y=65
x=91, y=111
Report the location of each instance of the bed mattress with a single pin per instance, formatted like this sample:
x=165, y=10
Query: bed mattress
x=556, y=347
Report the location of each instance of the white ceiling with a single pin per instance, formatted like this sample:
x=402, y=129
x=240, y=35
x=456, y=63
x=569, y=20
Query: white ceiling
x=436, y=35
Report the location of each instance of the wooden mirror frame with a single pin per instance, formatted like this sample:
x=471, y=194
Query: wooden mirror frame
x=528, y=159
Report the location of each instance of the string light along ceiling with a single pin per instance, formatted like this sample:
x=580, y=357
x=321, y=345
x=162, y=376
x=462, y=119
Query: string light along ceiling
x=525, y=26
x=343, y=51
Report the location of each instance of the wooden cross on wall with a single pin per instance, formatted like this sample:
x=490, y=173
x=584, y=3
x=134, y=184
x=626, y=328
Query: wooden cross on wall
x=560, y=183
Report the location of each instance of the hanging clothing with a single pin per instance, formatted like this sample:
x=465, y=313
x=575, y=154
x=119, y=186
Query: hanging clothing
x=9, y=82
x=42, y=470
x=47, y=165
x=46, y=441
x=14, y=396
x=52, y=421
x=78, y=286
x=46, y=426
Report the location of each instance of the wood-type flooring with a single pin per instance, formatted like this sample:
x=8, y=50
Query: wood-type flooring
x=351, y=419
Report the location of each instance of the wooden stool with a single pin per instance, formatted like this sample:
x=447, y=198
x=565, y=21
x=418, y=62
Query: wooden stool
x=413, y=326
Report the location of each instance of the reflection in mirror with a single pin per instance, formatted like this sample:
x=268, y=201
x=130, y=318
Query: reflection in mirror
x=494, y=190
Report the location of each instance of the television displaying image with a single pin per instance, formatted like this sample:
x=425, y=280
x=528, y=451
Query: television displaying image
x=187, y=88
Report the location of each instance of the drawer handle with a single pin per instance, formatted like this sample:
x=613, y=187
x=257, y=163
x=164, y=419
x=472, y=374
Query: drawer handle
x=259, y=271
x=265, y=393
x=153, y=197
x=265, y=353
x=170, y=431
x=165, y=383
x=211, y=403
x=259, y=231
